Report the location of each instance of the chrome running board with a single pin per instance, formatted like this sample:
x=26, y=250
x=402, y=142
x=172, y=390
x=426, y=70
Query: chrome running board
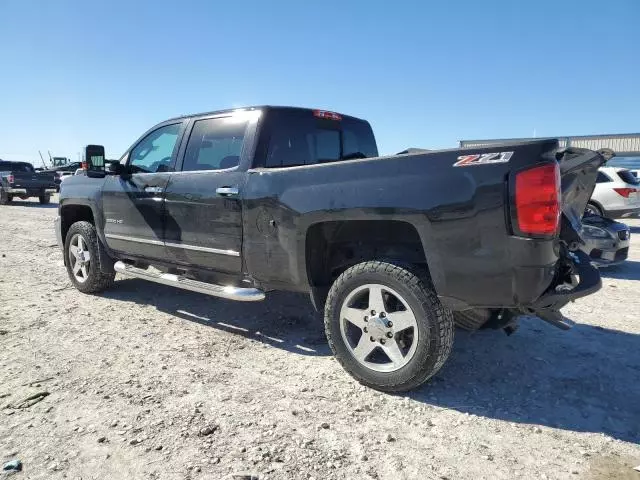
x=231, y=293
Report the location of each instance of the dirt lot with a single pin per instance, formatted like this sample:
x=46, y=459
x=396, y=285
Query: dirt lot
x=149, y=382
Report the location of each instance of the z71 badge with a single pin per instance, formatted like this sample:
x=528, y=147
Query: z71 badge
x=483, y=159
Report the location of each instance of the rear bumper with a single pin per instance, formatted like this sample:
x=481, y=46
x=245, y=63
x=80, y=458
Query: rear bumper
x=548, y=306
x=28, y=192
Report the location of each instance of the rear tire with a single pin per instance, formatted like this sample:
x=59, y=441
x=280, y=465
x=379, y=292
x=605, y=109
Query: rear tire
x=593, y=209
x=82, y=259
x=404, y=294
x=5, y=198
x=44, y=199
x=471, y=319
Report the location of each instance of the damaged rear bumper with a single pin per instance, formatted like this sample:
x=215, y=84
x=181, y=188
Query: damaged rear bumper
x=548, y=306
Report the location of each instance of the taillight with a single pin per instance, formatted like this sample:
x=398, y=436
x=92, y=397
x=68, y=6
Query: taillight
x=625, y=192
x=11, y=178
x=537, y=199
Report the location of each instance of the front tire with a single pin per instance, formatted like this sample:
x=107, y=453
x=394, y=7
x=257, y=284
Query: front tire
x=82, y=261
x=44, y=199
x=387, y=327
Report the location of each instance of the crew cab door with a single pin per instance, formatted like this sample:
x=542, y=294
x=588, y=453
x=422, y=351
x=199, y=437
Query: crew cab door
x=203, y=208
x=133, y=202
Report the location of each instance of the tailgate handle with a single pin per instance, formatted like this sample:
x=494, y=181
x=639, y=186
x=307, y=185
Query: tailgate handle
x=227, y=191
x=153, y=189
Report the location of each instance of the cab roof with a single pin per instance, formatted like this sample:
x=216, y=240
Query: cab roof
x=257, y=107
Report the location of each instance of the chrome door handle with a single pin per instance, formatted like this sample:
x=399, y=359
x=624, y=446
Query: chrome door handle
x=227, y=191
x=153, y=189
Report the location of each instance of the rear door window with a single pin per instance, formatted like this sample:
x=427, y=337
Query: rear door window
x=215, y=144
x=627, y=177
x=602, y=178
x=300, y=138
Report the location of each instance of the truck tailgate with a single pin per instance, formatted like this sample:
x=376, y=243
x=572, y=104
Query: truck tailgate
x=33, y=181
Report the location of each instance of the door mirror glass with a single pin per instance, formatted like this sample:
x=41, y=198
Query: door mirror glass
x=94, y=159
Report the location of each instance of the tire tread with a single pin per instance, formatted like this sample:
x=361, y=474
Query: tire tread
x=419, y=283
x=98, y=280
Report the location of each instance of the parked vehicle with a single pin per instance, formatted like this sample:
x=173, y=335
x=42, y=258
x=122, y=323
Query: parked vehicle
x=616, y=195
x=64, y=169
x=20, y=180
x=606, y=241
x=630, y=163
x=237, y=203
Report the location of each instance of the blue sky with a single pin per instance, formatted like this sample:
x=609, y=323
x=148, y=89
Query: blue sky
x=424, y=73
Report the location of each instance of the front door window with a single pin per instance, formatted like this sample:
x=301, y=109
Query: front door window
x=154, y=152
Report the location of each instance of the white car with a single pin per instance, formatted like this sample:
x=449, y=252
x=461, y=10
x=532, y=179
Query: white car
x=617, y=194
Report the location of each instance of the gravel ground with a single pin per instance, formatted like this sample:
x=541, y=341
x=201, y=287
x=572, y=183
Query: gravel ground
x=150, y=382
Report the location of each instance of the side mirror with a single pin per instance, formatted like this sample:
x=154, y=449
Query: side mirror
x=94, y=158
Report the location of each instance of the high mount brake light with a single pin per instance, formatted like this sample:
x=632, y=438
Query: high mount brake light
x=327, y=115
x=537, y=198
x=625, y=192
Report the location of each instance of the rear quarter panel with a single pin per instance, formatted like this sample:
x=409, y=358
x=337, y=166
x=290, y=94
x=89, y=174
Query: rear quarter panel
x=460, y=214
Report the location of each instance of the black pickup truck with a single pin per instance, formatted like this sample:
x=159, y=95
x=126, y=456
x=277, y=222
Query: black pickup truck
x=394, y=250
x=20, y=180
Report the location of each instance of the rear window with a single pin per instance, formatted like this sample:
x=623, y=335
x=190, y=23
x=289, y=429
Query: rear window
x=628, y=177
x=16, y=167
x=300, y=138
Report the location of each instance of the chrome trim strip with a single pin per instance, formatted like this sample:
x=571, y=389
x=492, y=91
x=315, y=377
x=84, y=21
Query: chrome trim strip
x=229, y=292
x=113, y=236
x=231, y=253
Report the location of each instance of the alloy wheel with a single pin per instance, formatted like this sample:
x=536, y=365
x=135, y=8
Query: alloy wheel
x=79, y=258
x=378, y=327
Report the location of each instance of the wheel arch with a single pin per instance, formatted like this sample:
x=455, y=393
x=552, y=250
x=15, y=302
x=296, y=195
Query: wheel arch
x=598, y=204
x=70, y=214
x=78, y=212
x=332, y=247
